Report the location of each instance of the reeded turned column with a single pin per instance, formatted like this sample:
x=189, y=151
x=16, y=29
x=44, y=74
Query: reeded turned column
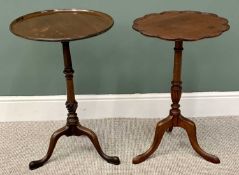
x=179, y=26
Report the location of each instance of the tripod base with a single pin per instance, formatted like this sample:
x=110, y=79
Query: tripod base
x=73, y=130
x=167, y=124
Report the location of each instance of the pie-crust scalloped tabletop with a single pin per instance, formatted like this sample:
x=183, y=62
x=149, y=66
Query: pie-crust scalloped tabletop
x=61, y=25
x=181, y=25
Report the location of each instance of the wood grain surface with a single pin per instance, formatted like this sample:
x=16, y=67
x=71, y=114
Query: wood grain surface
x=181, y=25
x=61, y=25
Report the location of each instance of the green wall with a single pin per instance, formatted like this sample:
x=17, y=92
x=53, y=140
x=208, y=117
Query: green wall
x=121, y=60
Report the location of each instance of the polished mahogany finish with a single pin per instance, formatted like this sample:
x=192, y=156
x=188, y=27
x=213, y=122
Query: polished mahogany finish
x=179, y=26
x=57, y=25
x=61, y=25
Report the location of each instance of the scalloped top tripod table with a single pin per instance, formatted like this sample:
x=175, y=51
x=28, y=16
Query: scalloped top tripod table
x=65, y=26
x=179, y=26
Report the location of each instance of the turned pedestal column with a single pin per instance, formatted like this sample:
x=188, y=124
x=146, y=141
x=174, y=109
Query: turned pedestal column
x=65, y=26
x=179, y=26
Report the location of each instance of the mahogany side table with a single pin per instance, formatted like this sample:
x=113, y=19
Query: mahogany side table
x=179, y=26
x=65, y=26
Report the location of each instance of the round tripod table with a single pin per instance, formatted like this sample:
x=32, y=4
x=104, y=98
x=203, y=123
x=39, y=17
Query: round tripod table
x=65, y=26
x=179, y=26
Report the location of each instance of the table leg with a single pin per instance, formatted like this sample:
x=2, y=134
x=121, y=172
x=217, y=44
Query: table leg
x=72, y=127
x=175, y=119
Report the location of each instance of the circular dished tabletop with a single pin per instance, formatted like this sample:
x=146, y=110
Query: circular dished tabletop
x=181, y=25
x=61, y=25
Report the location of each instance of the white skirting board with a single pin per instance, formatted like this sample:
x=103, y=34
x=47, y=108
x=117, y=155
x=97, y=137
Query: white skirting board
x=42, y=108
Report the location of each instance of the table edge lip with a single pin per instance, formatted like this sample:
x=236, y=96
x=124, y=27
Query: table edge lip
x=60, y=10
x=181, y=39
